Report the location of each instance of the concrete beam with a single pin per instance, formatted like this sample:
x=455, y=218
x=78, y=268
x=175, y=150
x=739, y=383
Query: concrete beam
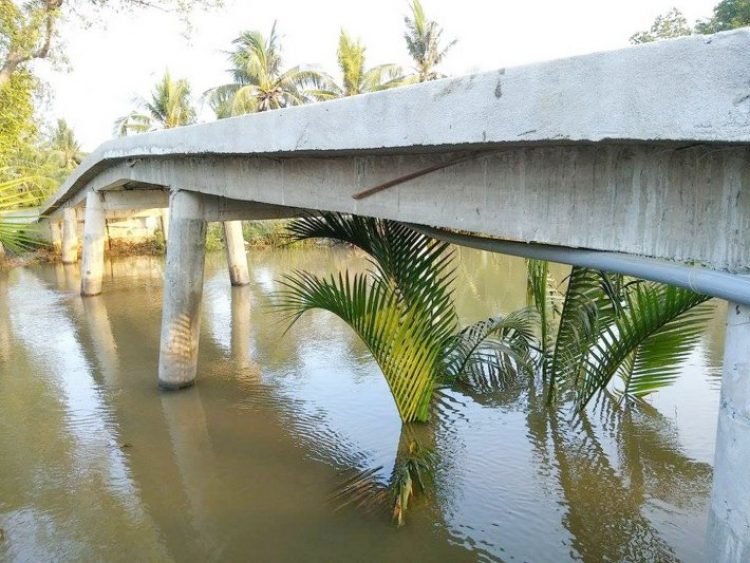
x=674, y=203
x=135, y=199
x=183, y=291
x=692, y=89
x=234, y=244
x=70, y=236
x=729, y=520
x=94, y=234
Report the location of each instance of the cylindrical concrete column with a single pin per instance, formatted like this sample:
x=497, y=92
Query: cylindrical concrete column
x=729, y=520
x=183, y=291
x=70, y=236
x=56, y=232
x=236, y=257
x=94, y=233
x=164, y=217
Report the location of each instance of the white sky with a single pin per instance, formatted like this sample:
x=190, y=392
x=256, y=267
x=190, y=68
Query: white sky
x=112, y=63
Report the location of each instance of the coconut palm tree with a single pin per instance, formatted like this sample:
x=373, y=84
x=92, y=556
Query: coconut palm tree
x=170, y=106
x=259, y=83
x=423, y=41
x=355, y=77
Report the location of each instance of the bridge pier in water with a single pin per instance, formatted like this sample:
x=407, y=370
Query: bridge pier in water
x=183, y=291
x=70, y=236
x=234, y=244
x=94, y=233
x=729, y=519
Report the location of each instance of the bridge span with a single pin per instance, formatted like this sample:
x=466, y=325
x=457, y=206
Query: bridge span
x=638, y=159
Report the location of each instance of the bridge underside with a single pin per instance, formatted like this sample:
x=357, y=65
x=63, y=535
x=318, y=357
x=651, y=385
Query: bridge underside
x=674, y=202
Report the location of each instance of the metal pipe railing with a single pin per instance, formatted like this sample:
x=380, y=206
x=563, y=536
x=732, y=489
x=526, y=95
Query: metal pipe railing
x=732, y=287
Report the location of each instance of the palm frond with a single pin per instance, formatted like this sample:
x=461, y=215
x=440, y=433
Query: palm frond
x=406, y=348
x=646, y=343
x=419, y=267
x=591, y=300
x=487, y=353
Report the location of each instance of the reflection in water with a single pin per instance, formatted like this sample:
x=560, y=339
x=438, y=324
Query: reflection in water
x=98, y=465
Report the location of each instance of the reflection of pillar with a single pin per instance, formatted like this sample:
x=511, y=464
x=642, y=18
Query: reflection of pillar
x=71, y=277
x=70, y=236
x=191, y=445
x=729, y=520
x=236, y=256
x=164, y=217
x=241, y=326
x=94, y=231
x=100, y=329
x=183, y=291
x=4, y=318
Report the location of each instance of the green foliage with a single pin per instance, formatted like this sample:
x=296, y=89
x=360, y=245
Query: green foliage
x=17, y=126
x=424, y=42
x=170, y=106
x=666, y=26
x=402, y=309
x=265, y=233
x=260, y=84
x=355, y=79
x=638, y=333
x=728, y=14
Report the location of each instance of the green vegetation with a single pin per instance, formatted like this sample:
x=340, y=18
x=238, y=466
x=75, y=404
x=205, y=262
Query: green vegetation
x=728, y=14
x=170, y=106
x=606, y=337
x=614, y=336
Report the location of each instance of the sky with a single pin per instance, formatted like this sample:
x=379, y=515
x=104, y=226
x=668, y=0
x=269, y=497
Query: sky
x=123, y=54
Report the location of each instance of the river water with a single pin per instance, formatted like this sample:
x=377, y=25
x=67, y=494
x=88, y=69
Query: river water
x=97, y=465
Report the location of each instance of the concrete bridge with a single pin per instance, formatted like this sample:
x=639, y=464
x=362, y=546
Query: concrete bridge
x=635, y=160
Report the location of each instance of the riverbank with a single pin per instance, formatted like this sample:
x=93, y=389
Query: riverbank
x=257, y=234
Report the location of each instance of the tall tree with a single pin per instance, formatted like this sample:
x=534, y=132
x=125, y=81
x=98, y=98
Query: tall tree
x=259, y=83
x=355, y=77
x=423, y=41
x=29, y=30
x=666, y=26
x=64, y=146
x=170, y=106
x=728, y=14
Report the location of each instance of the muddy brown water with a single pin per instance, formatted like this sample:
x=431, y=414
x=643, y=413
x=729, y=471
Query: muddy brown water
x=97, y=465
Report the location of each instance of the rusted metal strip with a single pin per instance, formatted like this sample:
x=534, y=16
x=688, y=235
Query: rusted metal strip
x=406, y=177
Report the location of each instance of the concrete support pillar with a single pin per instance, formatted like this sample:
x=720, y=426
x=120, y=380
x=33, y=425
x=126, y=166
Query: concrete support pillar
x=2, y=252
x=164, y=217
x=729, y=520
x=183, y=291
x=94, y=233
x=70, y=236
x=56, y=232
x=236, y=256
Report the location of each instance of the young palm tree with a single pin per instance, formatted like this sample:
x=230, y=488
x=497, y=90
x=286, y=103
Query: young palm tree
x=403, y=310
x=633, y=335
x=259, y=83
x=170, y=106
x=423, y=40
x=355, y=78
